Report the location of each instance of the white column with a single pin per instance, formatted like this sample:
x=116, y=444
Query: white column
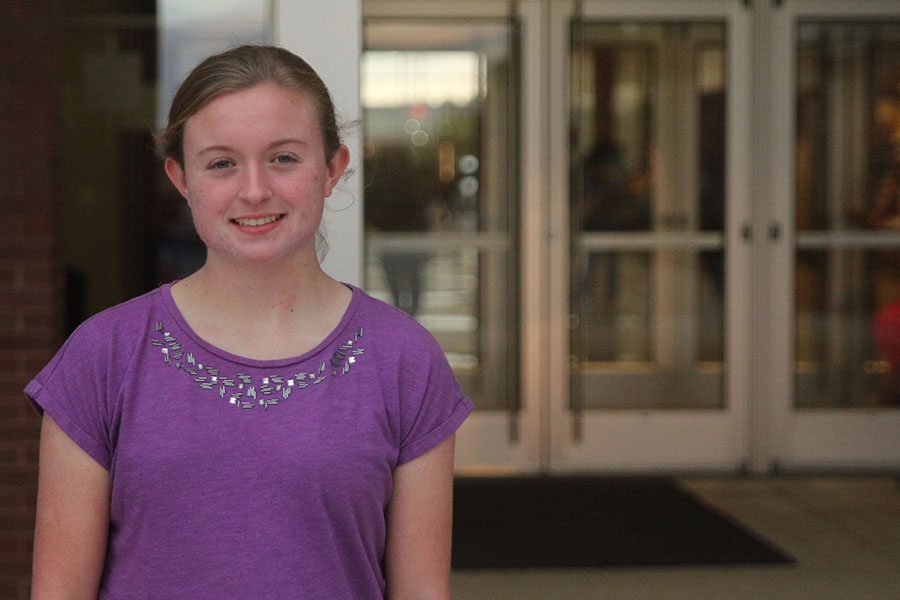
x=328, y=35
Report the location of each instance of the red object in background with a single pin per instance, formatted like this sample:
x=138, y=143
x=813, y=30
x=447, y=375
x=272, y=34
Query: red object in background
x=886, y=332
x=418, y=111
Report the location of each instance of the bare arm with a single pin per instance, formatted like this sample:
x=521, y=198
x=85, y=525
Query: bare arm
x=72, y=519
x=417, y=557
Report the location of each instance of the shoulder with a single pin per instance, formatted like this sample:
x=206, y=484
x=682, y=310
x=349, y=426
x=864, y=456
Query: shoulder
x=82, y=379
x=386, y=323
x=423, y=396
x=119, y=325
x=128, y=313
x=405, y=352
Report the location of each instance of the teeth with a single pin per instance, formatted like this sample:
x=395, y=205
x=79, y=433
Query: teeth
x=257, y=222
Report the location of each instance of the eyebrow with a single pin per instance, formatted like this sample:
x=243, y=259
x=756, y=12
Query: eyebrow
x=275, y=144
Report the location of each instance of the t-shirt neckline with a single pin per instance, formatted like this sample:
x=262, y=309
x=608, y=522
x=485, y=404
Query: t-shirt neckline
x=325, y=344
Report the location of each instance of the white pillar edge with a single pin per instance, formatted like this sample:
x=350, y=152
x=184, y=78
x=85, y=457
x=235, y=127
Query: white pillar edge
x=328, y=35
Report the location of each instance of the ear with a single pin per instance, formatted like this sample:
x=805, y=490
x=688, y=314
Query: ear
x=175, y=172
x=336, y=167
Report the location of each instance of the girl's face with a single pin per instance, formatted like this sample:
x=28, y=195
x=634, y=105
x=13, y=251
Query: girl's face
x=255, y=175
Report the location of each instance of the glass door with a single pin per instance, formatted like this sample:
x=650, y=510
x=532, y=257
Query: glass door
x=651, y=178
x=836, y=93
x=441, y=128
x=558, y=191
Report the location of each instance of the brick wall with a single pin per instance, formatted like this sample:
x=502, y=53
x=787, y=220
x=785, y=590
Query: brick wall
x=30, y=277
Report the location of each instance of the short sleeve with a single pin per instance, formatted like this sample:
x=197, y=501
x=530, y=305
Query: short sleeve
x=432, y=405
x=74, y=390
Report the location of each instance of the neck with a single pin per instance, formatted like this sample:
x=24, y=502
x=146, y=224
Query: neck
x=264, y=311
x=258, y=293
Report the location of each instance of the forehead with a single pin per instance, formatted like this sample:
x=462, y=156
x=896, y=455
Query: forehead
x=264, y=110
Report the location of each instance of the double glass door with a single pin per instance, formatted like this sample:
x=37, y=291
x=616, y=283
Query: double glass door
x=568, y=195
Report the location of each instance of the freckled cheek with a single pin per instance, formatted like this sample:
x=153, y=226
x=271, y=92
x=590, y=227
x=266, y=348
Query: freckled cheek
x=207, y=219
x=309, y=203
x=310, y=218
x=205, y=229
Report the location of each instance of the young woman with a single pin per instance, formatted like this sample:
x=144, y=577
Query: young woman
x=258, y=429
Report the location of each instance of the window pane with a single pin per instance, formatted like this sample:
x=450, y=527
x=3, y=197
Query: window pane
x=848, y=125
x=847, y=320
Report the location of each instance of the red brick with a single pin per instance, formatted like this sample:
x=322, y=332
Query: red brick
x=7, y=557
x=15, y=563
x=11, y=267
x=18, y=476
x=18, y=541
x=35, y=315
x=26, y=340
x=18, y=430
x=10, y=412
x=10, y=587
x=12, y=8
x=31, y=288
x=31, y=451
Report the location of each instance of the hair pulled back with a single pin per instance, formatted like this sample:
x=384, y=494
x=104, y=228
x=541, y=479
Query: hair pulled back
x=238, y=69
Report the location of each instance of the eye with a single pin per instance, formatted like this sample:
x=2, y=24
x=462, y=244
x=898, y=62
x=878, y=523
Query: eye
x=284, y=159
x=221, y=163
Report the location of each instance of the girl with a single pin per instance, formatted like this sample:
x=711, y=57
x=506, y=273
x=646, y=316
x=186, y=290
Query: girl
x=258, y=429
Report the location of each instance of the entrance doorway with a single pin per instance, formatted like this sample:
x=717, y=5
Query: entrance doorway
x=568, y=195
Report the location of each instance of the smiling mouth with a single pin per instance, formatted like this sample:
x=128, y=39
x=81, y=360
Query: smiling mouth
x=244, y=222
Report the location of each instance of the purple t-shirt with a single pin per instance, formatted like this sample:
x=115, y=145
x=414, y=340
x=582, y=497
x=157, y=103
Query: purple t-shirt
x=240, y=478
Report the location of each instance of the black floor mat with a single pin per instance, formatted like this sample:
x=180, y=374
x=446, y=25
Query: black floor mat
x=552, y=522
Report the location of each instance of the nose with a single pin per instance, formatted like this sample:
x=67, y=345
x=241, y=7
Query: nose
x=254, y=184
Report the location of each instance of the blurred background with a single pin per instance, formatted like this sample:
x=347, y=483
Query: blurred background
x=651, y=238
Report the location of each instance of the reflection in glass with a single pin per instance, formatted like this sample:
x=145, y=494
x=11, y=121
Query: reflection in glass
x=676, y=362
x=188, y=32
x=617, y=309
x=648, y=161
x=844, y=348
x=848, y=215
x=119, y=58
x=439, y=112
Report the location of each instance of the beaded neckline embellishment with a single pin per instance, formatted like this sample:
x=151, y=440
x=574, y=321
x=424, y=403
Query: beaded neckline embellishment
x=244, y=391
